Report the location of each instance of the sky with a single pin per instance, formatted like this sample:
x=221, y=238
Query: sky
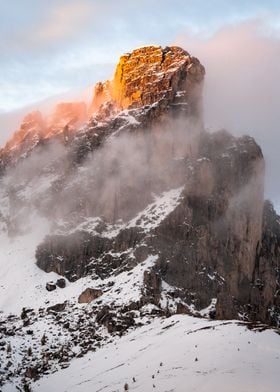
x=62, y=47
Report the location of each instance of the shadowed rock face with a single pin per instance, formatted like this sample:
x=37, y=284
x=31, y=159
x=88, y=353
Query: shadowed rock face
x=218, y=224
x=263, y=301
x=81, y=254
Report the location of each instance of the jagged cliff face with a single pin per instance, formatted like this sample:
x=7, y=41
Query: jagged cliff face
x=37, y=129
x=219, y=223
x=136, y=175
x=150, y=75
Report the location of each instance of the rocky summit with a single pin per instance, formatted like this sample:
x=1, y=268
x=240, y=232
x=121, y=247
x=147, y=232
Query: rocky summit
x=132, y=211
x=150, y=75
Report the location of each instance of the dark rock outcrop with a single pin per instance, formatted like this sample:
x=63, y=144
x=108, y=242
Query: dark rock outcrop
x=61, y=283
x=151, y=287
x=82, y=253
x=260, y=301
x=57, y=307
x=50, y=286
x=70, y=256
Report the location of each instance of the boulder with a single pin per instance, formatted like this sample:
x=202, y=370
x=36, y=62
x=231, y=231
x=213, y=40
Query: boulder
x=182, y=309
x=61, y=283
x=57, y=307
x=88, y=295
x=50, y=286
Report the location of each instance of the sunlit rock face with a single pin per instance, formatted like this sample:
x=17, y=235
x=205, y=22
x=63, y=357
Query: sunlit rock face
x=36, y=129
x=149, y=82
x=151, y=74
x=67, y=116
x=32, y=127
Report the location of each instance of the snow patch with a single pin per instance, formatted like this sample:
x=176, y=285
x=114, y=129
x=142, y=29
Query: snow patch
x=157, y=211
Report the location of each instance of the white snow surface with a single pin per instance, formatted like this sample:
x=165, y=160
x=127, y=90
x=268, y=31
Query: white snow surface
x=155, y=212
x=22, y=283
x=176, y=354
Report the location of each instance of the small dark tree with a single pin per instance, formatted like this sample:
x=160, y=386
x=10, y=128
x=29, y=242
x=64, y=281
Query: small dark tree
x=126, y=386
x=26, y=387
x=43, y=340
x=9, y=348
x=23, y=313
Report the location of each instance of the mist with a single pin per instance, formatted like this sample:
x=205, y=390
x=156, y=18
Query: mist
x=114, y=182
x=11, y=120
x=242, y=84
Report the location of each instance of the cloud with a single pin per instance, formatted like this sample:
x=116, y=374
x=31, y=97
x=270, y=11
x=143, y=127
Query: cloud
x=28, y=26
x=242, y=85
x=63, y=21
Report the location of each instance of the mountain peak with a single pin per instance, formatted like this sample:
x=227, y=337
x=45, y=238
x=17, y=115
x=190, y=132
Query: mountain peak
x=149, y=75
x=161, y=79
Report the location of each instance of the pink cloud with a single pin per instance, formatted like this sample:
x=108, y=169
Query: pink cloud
x=64, y=20
x=61, y=22
x=242, y=86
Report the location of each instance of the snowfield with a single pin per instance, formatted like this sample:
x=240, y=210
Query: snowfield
x=177, y=354
x=22, y=283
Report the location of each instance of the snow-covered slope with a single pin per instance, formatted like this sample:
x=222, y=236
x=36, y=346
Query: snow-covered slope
x=177, y=354
x=66, y=324
x=23, y=284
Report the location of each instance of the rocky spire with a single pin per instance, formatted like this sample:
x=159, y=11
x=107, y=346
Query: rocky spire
x=151, y=75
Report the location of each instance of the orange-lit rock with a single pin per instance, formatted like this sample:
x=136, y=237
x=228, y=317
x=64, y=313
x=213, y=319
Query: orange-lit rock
x=32, y=127
x=161, y=79
x=68, y=115
x=152, y=74
x=101, y=94
x=66, y=119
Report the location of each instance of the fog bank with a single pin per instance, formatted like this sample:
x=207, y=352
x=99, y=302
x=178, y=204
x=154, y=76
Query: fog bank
x=242, y=87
